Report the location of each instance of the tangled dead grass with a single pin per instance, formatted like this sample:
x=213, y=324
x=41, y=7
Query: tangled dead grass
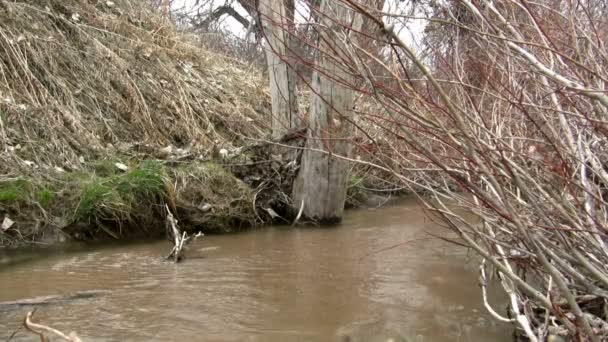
x=84, y=79
x=210, y=198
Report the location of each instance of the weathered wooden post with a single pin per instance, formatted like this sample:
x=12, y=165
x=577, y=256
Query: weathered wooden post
x=321, y=184
x=275, y=23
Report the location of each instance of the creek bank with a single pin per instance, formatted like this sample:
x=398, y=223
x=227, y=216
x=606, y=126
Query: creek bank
x=108, y=112
x=107, y=202
x=125, y=199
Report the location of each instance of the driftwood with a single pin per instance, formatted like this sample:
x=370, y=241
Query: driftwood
x=180, y=239
x=44, y=331
x=48, y=300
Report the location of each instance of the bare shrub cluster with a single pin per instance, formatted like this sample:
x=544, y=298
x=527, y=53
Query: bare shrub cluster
x=504, y=113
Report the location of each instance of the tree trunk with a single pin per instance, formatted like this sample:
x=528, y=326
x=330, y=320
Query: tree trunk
x=276, y=24
x=322, y=180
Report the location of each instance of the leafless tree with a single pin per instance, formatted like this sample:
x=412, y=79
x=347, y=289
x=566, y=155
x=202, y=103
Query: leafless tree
x=498, y=109
x=504, y=115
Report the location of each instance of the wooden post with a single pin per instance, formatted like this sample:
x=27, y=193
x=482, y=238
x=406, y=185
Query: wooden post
x=275, y=23
x=322, y=180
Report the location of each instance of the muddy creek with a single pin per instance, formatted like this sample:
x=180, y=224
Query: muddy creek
x=271, y=284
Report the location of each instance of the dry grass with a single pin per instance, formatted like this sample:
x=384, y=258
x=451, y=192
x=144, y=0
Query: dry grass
x=86, y=84
x=83, y=80
x=210, y=198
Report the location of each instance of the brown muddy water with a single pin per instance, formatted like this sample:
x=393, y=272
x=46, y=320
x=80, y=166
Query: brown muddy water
x=274, y=284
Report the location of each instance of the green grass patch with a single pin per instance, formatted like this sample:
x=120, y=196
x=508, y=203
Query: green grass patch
x=14, y=191
x=355, y=194
x=147, y=179
x=355, y=180
x=24, y=192
x=95, y=195
x=45, y=196
x=121, y=196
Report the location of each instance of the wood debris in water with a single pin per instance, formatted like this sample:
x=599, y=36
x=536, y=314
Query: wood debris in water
x=180, y=239
x=44, y=331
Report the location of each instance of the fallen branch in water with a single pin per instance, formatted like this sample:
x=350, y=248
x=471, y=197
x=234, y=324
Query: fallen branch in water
x=179, y=239
x=483, y=282
x=299, y=214
x=41, y=330
x=52, y=299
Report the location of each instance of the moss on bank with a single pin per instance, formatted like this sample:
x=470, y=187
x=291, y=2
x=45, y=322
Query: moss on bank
x=107, y=202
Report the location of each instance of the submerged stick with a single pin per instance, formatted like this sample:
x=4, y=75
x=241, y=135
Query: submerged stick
x=52, y=299
x=299, y=214
x=179, y=239
x=41, y=330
